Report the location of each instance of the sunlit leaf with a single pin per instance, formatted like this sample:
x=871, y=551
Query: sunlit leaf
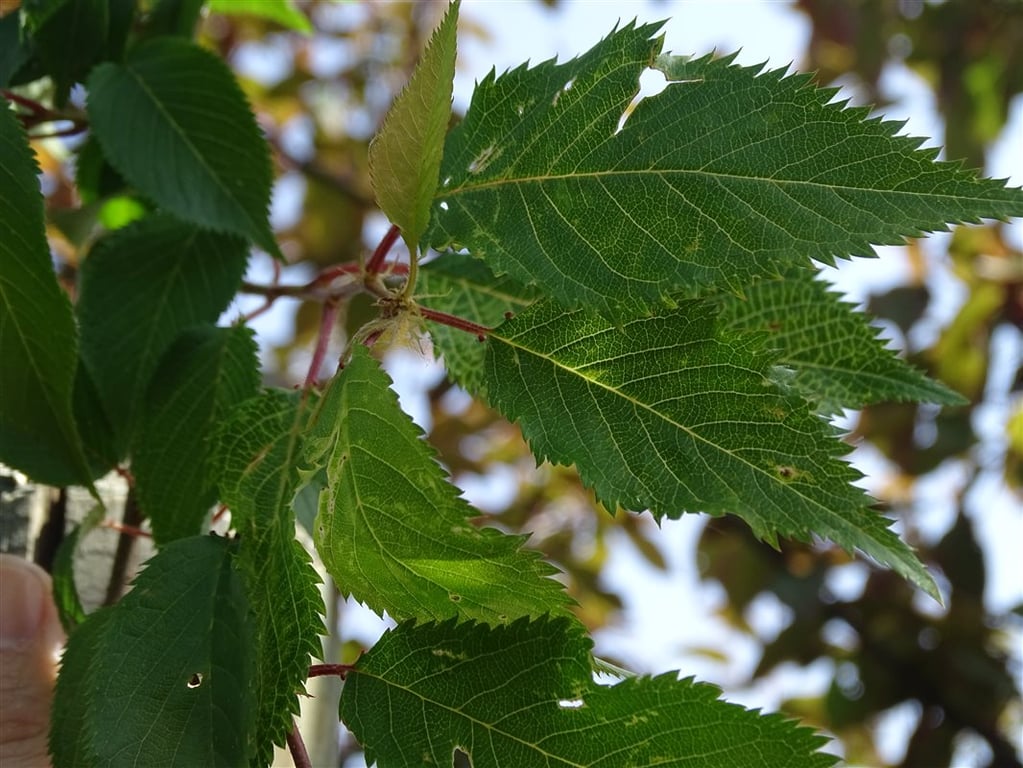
x=524, y=695
x=729, y=173
x=404, y=158
x=394, y=532
x=675, y=413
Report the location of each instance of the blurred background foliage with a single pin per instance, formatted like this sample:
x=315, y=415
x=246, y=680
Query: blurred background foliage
x=320, y=97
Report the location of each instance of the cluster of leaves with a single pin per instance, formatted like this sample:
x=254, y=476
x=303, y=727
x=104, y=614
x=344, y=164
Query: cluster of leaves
x=628, y=282
x=954, y=667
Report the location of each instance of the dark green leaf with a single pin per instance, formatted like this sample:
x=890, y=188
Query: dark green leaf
x=464, y=287
x=174, y=17
x=140, y=287
x=37, y=330
x=404, y=158
x=175, y=124
x=72, y=733
x=70, y=41
x=675, y=413
x=15, y=49
x=283, y=12
x=201, y=376
x=394, y=532
x=170, y=665
x=727, y=174
x=838, y=359
x=523, y=695
x=255, y=457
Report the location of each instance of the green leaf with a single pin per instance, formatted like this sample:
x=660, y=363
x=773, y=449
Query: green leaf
x=405, y=156
x=727, y=174
x=213, y=165
x=169, y=665
x=140, y=287
x=676, y=413
x=65, y=593
x=394, y=532
x=283, y=12
x=204, y=373
x=464, y=287
x=838, y=359
x=523, y=695
x=70, y=41
x=37, y=330
x=72, y=734
x=15, y=49
x=174, y=17
x=255, y=457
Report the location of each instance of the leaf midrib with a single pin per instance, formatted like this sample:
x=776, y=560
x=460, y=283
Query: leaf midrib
x=176, y=128
x=465, y=189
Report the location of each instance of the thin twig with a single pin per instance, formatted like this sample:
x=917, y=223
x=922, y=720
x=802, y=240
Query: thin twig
x=327, y=321
x=376, y=261
x=296, y=746
x=324, y=670
x=479, y=331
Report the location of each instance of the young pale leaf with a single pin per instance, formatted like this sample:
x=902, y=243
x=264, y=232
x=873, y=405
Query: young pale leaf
x=404, y=158
x=523, y=695
x=394, y=532
x=173, y=121
x=140, y=287
x=255, y=456
x=463, y=286
x=838, y=359
x=37, y=330
x=673, y=412
x=283, y=12
x=169, y=664
x=65, y=591
x=204, y=373
x=728, y=173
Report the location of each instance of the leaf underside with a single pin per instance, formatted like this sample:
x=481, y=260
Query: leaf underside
x=393, y=531
x=254, y=457
x=405, y=155
x=729, y=173
x=524, y=695
x=675, y=413
x=464, y=287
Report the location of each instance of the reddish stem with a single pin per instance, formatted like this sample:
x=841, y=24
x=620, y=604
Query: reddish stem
x=127, y=530
x=323, y=670
x=480, y=331
x=376, y=261
x=34, y=106
x=296, y=746
x=327, y=321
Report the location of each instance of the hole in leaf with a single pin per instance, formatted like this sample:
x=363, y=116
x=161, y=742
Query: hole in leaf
x=195, y=680
x=443, y=205
x=460, y=758
x=571, y=703
x=651, y=83
x=454, y=598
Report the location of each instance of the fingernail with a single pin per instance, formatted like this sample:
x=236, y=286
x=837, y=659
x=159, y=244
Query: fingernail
x=22, y=598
